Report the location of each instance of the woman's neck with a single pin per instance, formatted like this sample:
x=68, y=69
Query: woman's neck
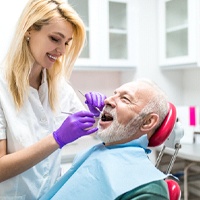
x=35, y=77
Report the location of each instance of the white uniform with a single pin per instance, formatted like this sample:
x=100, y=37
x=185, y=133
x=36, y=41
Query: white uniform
x=25, y=127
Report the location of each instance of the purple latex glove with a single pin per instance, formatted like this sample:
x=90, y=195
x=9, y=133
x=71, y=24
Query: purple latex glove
x=95, y=102
x=75, y=126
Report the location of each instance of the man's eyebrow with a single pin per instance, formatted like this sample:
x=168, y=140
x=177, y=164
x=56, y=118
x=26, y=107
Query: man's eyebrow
x=123, y=92
x=129, y=93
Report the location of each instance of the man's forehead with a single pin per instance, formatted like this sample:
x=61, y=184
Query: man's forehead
x=128, y=87
x=136, y=89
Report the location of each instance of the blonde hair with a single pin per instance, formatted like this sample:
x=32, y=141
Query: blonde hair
x=19, y=60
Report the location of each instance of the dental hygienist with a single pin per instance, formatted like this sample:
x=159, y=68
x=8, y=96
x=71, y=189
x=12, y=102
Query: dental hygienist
x=34, y=94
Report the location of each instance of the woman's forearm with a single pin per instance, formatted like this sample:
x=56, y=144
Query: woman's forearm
x=20, y=161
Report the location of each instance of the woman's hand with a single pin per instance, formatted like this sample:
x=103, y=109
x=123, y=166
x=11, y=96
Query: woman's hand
x=95, y=102
x=74, y=127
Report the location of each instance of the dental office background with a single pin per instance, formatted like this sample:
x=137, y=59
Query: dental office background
x=128, y=39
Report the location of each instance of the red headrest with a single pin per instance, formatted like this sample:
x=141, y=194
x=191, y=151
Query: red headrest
x=163, y=132
x=174, y=189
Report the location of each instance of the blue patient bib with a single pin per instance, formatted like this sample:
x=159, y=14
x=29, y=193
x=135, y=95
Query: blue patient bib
x=106, y=172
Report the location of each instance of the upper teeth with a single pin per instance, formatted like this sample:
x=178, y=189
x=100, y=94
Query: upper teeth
x=53, y=57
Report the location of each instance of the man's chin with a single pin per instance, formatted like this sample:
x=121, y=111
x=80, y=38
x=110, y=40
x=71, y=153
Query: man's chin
x=106, y=135
x=111, y=131
x=102, y=135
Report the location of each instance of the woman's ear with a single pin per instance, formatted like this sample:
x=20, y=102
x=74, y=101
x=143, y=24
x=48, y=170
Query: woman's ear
x=27, y=34
x=150, y=122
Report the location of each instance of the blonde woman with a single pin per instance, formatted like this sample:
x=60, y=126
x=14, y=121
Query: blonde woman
x=34, y=93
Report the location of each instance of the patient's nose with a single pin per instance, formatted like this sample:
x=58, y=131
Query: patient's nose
x=111, y=101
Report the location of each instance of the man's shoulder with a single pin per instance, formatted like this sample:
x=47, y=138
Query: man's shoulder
x=150, y=191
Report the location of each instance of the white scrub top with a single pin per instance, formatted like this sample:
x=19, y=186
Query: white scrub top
x=25, y=127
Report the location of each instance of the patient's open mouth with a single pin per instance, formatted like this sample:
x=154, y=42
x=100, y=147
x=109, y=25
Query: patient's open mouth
x=106, y=117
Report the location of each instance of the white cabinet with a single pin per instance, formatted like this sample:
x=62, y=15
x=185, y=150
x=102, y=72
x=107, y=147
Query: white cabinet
x=179, y=33
x=111, y=34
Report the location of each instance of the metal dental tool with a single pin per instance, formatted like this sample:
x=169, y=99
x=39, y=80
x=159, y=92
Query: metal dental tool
x=70, y=113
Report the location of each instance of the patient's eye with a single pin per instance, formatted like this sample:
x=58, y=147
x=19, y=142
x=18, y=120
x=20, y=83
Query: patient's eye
x=125, y=99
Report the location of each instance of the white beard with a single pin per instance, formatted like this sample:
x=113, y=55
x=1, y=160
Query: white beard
x=116, y=131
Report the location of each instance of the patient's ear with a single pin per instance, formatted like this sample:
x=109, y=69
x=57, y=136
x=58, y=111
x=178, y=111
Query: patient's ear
x=150, y=122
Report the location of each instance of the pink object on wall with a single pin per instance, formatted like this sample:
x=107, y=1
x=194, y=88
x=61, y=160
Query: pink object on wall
x=192, y=111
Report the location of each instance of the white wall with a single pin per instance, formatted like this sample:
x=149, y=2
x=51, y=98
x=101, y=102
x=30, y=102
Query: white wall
x=191, y=89
x=9, y=14
x=103, y=81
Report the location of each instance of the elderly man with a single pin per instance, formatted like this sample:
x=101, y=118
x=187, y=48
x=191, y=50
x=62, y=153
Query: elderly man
x=119, y=164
